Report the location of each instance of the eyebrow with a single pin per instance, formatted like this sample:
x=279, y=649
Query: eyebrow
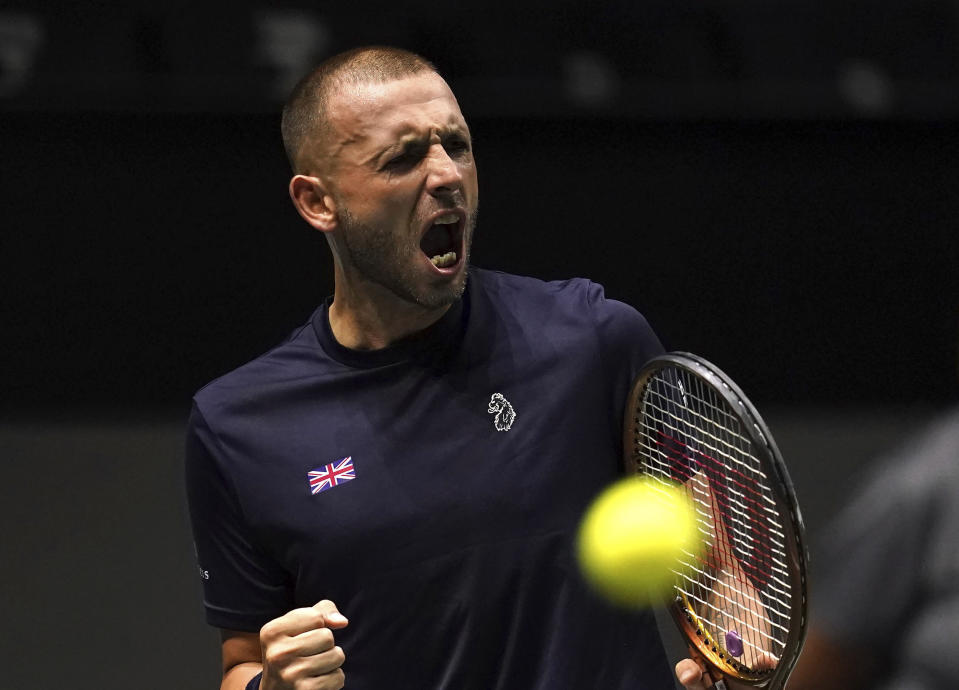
x=407, y=142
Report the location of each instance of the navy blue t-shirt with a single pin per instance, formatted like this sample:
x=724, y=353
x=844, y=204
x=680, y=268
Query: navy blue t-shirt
x=464, y=457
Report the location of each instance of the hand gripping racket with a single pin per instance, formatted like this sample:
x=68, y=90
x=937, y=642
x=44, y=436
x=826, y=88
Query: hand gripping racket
x=741, y=602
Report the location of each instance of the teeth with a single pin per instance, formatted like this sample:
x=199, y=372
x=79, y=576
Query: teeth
x=444, y=260
x=448, y=219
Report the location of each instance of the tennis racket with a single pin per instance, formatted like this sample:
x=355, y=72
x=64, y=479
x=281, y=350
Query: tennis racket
x=741, y=602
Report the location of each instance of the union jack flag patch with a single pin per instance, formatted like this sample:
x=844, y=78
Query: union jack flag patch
x=334, y=474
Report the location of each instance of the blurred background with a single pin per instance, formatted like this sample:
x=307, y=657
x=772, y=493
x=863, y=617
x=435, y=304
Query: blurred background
x=775, y=185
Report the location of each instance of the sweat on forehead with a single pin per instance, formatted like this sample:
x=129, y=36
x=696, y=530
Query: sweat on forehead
x=306, y=113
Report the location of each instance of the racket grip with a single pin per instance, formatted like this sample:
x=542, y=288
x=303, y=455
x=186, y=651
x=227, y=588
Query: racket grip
x=720, y=685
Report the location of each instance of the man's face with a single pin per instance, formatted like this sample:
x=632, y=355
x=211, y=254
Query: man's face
x=404, y=183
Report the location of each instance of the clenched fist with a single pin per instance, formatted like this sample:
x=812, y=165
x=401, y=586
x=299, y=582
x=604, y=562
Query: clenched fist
x=300, y=652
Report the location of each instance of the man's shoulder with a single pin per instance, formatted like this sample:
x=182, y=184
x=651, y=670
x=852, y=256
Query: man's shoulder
x=293, y=358
x=572, y=298
x=526, y=289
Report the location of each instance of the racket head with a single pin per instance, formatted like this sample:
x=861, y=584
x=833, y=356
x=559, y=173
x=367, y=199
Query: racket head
x=688, y=423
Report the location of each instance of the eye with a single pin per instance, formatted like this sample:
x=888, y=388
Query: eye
x=456, y=145
x=405, y=160
x=397, y=161
x=402, y=163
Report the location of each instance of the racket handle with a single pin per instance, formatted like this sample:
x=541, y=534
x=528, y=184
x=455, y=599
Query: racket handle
x=720, y=685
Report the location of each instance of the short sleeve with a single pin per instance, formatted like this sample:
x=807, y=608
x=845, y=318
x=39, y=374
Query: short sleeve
x=243, y=587
x=627, y=342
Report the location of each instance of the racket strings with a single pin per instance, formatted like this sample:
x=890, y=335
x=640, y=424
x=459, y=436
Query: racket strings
x=740, y=497
x=739, y=501
x=723, y=604
x=686, y=433
x=741, y=491
x=731, y=445
x=766, y=532
x=742, y=594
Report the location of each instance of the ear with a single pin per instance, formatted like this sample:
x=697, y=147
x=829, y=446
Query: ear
x=313, y=201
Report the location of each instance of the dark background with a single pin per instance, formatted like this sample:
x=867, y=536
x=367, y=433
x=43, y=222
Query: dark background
x=773, y=184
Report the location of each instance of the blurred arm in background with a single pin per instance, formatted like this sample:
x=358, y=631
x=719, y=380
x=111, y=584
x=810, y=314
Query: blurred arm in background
x=885, y=601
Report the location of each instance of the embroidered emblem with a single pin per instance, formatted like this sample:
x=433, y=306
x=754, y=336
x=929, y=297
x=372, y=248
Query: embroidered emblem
x=331, y=475
x=504, y=413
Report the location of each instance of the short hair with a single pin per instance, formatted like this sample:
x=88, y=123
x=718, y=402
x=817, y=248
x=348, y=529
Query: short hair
x=306, y=110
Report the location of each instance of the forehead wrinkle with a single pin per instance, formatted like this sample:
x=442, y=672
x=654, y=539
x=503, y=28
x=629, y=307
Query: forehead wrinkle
x=409, y=137
x=413, y=138
x=366, y=117
x=412, y=134
x=412, y=118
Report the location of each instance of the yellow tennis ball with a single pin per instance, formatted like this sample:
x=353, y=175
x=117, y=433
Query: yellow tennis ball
x=634, y=539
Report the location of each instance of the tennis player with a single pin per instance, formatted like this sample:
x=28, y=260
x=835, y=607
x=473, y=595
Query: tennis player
x=388, y=498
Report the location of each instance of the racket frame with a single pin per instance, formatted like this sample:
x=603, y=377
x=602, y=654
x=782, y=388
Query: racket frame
x=784, y=495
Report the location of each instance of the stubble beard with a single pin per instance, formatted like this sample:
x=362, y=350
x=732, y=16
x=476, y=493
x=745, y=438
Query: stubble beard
x=379, y=258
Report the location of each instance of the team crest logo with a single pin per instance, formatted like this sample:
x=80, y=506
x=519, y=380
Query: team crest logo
x=504, y=414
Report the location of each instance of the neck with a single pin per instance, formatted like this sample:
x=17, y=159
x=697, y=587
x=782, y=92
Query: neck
x=376, y=318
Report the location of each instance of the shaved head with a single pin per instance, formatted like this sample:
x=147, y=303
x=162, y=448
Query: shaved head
x=306, y=119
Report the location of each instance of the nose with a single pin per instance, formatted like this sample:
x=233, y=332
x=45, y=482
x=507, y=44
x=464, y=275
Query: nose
x=444, y=175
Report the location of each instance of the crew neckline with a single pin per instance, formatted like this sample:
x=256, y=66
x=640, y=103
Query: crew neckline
x=434, y=339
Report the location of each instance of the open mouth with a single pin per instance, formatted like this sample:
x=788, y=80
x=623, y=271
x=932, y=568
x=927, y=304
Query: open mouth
x=443, y=240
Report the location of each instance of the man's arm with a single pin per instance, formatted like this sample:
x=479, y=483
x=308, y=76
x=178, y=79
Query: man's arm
x=242, y=658
x=293, y=648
